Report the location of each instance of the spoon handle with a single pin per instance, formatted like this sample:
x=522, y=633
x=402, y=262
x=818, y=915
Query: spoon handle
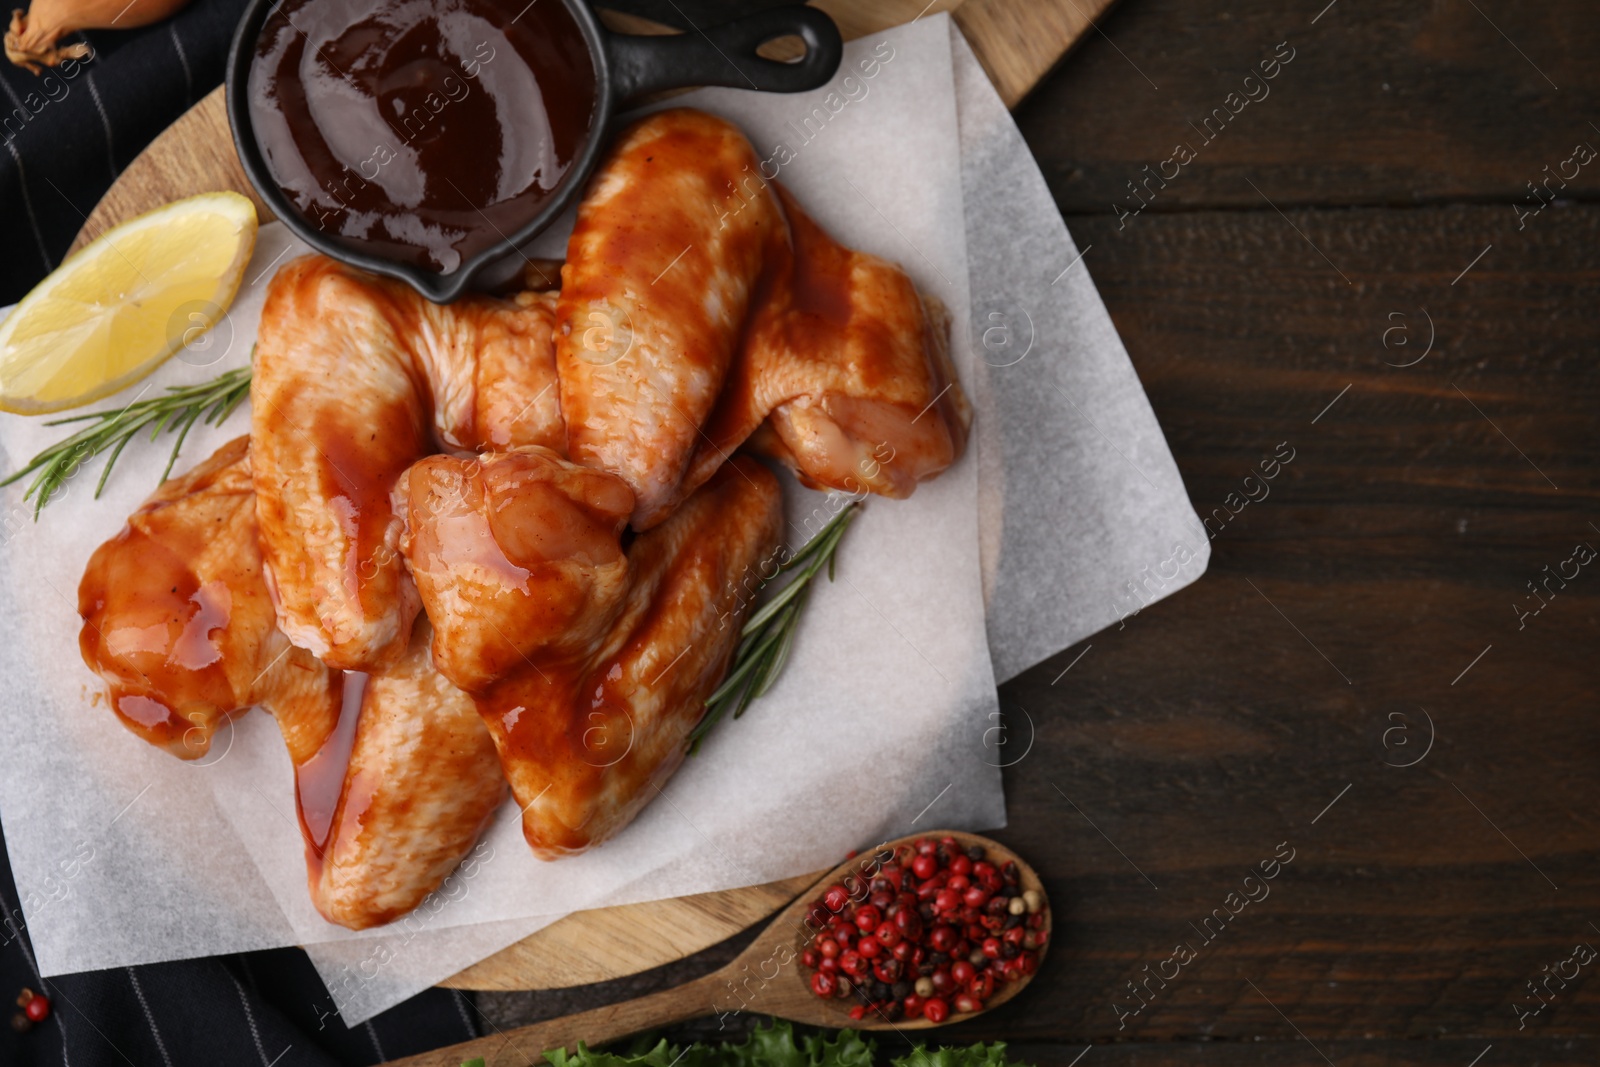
x=526, y=1045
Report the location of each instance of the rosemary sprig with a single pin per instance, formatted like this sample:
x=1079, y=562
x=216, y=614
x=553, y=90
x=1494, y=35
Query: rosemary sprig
x=179, y=408
x=768, y=635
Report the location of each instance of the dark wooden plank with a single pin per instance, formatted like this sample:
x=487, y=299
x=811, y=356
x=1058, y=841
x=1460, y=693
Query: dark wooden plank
x=1546, y=1052
x=1211, y=728
x=1382, y=103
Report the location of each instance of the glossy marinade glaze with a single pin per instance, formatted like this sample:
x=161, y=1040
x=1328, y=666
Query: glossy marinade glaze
x=420, y=130
x=654, y=296
x=587, y=737
x=357, y=378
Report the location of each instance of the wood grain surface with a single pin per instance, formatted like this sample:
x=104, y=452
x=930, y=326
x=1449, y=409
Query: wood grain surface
x=1188, y=744
x=1376, y=580
x=592, y=946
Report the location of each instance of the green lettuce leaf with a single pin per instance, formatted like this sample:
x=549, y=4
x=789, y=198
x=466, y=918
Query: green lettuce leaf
x=776, y=1045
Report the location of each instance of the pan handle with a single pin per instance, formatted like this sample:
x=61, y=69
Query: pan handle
x=726, y=55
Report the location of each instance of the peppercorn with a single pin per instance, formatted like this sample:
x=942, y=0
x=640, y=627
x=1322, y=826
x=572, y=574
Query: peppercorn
x=933, y=930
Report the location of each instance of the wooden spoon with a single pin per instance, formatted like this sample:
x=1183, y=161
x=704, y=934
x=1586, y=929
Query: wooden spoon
x=766, y=978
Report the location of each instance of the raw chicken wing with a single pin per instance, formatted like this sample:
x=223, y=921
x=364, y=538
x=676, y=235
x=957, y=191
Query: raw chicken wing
x=849, y=366
x=177, y=621
x=356, y=378
x=668, y=248
x=586, y=742
x=399, y=792
x=399, y=765
x=513, y=553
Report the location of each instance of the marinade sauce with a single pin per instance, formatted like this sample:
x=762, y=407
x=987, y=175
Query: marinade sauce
x=422, y=131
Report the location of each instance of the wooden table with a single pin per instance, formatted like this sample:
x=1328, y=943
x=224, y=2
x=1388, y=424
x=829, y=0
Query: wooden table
x=1275, y=291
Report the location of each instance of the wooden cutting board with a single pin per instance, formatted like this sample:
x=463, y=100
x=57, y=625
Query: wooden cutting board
x=1017, y=41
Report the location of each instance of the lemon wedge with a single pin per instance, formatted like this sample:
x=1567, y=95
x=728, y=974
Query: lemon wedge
x=122, y=305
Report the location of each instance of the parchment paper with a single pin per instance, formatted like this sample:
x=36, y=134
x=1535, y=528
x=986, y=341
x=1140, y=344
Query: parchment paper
x=207, y=859
x=893, y=649
x=1083, y=514
x=1079, y=493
